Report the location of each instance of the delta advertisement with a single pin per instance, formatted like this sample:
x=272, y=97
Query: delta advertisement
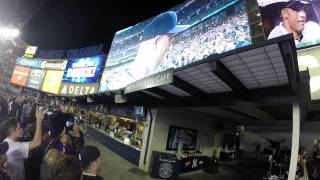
x=52, y=81
x=310, y=59
x=299, y=17
x=185, y=34
x=36, y=78
x=83, y=70
x=20, y=75
x=73, y=89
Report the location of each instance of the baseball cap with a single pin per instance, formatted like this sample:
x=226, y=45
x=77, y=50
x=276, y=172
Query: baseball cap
x=88, y=154
x=294, y=4
x=165, y=23
x=4, y=146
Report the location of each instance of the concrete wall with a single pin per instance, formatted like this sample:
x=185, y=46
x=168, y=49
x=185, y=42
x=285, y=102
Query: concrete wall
x=208, y=137
x=254, y=134
x=308, y=132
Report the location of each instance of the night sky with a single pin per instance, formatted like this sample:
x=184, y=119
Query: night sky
x=65, y=24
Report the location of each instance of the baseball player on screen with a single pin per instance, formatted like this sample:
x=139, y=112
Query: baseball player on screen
x=156, y=39
x=294, y=20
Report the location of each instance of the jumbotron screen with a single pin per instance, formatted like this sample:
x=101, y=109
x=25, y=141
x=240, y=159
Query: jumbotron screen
x=185, y=34
x=83, y=70
x=299, y=17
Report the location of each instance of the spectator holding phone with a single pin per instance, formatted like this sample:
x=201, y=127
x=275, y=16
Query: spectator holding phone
x=18, y=151
x=66, y=134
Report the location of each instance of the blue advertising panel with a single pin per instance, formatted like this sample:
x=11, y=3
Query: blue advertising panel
x=83, y=70
x=185, y=34
x=34, y=63
x=53, y=64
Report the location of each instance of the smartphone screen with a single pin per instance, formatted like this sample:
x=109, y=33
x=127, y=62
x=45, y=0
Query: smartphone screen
x=69, y=123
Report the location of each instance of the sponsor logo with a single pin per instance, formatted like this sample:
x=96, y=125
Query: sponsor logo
x=55, y=65
x=165, y=170
x=78, y=89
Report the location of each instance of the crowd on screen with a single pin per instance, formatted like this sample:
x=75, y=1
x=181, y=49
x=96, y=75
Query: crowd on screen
x=213, y=37
x=198, y=10
x=116, y=77
x=40, y=141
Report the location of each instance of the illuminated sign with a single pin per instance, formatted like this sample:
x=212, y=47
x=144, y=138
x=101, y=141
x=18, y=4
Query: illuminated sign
x=71, y=53
x=72, y=89
x=35, y=79
x=34, y=63
x=154, y=80
x=83, y=70
x=30, y=51
x=20, y=75
x=52, y=81
x=54, y=64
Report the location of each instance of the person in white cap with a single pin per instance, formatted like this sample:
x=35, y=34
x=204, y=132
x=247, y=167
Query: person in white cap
x=294, y=20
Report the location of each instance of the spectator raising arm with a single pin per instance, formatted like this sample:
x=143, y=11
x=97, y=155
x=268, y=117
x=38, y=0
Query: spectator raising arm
x=37, y=136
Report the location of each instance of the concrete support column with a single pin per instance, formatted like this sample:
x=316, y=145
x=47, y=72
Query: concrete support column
x=295, y=140
x=146, y=148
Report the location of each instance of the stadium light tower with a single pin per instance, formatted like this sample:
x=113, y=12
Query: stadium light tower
x=8, y=33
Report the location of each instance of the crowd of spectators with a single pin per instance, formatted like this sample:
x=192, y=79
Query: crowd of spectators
x=216, y=35
x=116, y=77
x=40, y=141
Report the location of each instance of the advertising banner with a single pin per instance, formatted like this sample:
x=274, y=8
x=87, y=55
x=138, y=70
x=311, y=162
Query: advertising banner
x=36, y=78
x=300, y=17
x=83, y=70
x=158, y=79
x=20, y=75
x=52, y=81
x=30, y=51
x=34, y=63
x=185, y=34
x=53, y=64
x=73, y=89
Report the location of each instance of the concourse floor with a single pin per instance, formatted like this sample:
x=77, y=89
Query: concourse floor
x=116, y=168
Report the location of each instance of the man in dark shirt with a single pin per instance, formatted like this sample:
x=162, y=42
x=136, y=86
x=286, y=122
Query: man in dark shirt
x=4, y=146
x=91, y=162
x=33, y=163
x=4, y=107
